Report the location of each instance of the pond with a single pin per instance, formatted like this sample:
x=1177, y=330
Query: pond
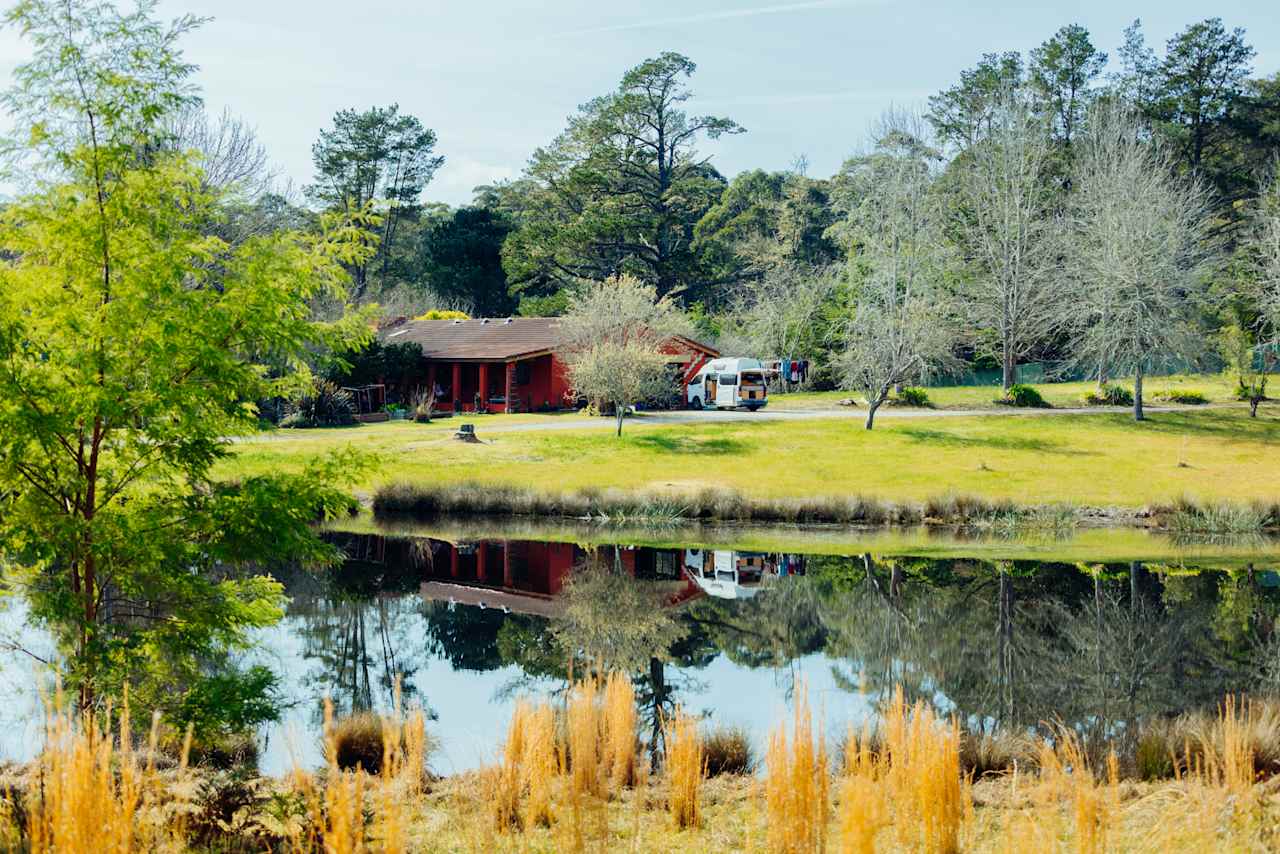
x=1098, y=631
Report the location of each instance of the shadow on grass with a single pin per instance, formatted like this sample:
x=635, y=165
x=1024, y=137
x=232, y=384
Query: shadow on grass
x=1224, y=424
x=1003, y=443
x=668, y=444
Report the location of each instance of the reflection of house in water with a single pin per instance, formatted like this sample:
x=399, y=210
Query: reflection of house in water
x=527, y=576
x=737, y=575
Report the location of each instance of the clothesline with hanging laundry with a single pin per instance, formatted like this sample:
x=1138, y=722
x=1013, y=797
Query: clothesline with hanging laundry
x=795, y=371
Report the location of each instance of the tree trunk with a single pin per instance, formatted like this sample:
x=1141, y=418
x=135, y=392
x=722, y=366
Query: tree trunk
x=657, y=682
x=1253, y=407
x=1008, y=370
x=1137, y=397
x=871, y=413
x=622, y=413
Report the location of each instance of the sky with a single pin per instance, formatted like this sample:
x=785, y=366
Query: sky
x=497, y=78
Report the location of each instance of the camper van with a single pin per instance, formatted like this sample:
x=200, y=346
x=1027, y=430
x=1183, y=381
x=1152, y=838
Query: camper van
x=729, y=384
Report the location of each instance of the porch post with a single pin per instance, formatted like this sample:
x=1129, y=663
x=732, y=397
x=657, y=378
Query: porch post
x=431, y=378
x=481, y=548
x=509, y=369
x=484, y=385
x=456, y=388
x=507, y=578
x=453, y=561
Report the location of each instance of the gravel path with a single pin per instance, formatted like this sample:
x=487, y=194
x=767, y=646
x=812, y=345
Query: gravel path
x=486, y=425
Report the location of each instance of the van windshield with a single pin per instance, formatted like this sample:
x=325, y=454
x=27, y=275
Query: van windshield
x=754, y=377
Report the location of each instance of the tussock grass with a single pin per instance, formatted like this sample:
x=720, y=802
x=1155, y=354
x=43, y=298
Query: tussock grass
x=1187, y=516
x=728, y=751
x=707, y=505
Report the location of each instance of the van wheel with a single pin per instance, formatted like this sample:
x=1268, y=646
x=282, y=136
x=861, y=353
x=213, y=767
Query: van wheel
x=696, y=403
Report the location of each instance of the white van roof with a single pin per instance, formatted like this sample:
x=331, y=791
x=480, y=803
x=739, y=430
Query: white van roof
x=733, y=366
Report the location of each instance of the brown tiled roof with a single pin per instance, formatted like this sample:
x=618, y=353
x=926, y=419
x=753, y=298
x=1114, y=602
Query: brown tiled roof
x=489, y=339
x=493, y=338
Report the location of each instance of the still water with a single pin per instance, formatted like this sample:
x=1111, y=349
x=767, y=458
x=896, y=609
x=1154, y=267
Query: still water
x=467, y=624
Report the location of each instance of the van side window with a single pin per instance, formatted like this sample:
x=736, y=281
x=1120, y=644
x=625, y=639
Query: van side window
x=728, y=379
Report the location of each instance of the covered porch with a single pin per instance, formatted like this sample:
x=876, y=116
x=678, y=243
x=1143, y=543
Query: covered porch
x=514, y=385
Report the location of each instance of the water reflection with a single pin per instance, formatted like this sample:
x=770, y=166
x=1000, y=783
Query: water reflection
x=1098, y=647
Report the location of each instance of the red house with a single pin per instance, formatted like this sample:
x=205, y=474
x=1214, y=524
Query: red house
x=508, y=364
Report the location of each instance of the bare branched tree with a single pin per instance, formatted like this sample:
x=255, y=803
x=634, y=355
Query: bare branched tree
x=900, y=329
x=613, y=334
x=1264, y=241
x=1141, y=249
x=233, y=159
x=1002, y=217
x=780, y=314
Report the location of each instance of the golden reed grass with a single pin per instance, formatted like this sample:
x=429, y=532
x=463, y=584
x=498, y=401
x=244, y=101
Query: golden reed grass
x=93, y=786
x=591, y=753
x=901, y=788
x=797, y=782
x=685, y=769
x=337, y=805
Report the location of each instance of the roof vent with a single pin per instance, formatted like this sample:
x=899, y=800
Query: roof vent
x=507, y=321
x=484, y=320
x=457, y=323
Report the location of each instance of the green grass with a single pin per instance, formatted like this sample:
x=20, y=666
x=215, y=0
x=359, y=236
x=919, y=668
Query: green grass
x=1219, y=388
x=1098, y=459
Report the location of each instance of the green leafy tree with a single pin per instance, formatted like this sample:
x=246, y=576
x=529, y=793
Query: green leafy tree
x=1251, y=368
x=621, y=189
x=1201, y=80
x=461, y=259
x=1062, y=73
x=962, y=114
x=132, y=343
x=764, y=220
x=379, y=157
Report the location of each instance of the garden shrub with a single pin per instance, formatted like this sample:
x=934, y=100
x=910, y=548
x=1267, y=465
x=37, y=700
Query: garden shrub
x=1109, y=395
x=1188, y=396
x=913, y=396
x=325, y=405
x=1024, y=396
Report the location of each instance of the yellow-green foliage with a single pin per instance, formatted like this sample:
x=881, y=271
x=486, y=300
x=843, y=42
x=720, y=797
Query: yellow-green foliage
x=443, y=314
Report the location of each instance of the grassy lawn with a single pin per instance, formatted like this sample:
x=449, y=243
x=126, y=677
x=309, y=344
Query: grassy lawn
x=1095, y=459
x=1219, y=388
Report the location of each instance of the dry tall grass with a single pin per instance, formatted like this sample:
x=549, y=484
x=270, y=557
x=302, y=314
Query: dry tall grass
x=685, y=770
x=903, y=786
x=797, y=783
x=620, y=721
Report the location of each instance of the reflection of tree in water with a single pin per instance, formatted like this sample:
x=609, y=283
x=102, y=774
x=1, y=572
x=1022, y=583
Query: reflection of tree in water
x=1011, y=643
x=613, y=621
x=359, y=648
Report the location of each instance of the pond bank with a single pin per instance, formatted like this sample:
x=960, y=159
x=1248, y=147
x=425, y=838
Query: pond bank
x=717, y=505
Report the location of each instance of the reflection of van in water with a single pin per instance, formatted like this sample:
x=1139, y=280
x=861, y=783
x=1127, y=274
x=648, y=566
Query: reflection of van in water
x=728, y=384
x=726, y=574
